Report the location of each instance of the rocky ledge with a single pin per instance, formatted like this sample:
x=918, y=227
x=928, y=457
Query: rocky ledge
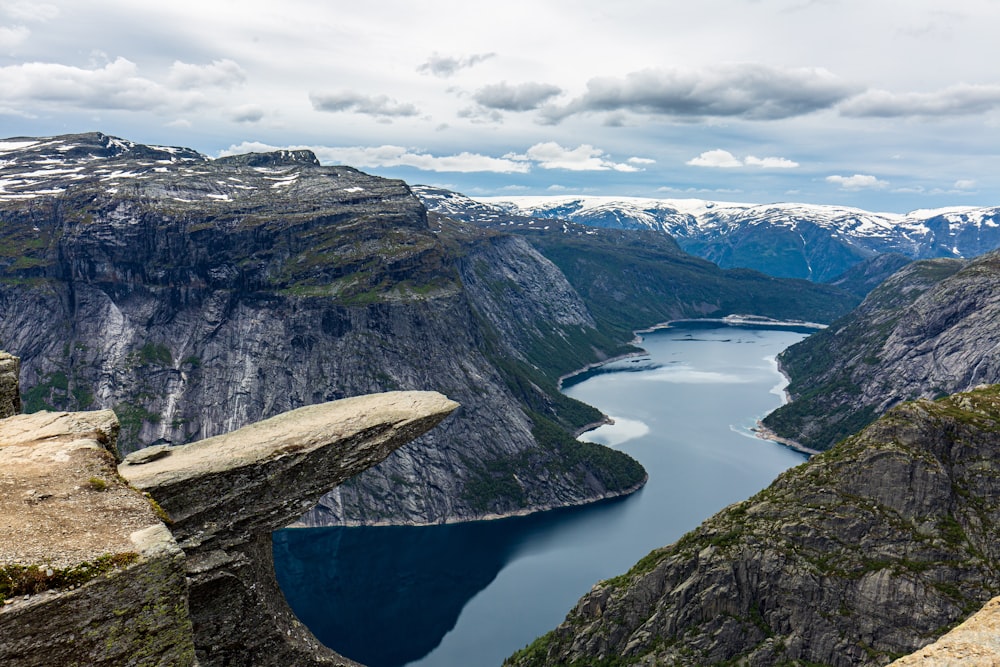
x=165, y=558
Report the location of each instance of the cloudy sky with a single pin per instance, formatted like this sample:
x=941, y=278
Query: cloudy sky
x=889, y=105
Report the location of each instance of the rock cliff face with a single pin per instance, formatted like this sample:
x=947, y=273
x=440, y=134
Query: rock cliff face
x=193, y=296
x=10, y=394
x=862, y=555
x=90, y=575
x=928, y=330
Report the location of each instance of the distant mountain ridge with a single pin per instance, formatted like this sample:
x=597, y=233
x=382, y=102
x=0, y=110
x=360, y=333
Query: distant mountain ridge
x=814, y=242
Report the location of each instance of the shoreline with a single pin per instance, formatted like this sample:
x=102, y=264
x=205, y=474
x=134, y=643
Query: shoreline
x=488, y=517
x=598, y=364
x=761, y=431
x=764, y=433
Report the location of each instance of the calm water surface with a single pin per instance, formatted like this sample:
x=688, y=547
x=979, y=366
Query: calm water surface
x=465, y=595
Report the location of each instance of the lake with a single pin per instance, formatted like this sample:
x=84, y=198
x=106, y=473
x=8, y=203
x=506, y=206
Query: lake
x=464, y=595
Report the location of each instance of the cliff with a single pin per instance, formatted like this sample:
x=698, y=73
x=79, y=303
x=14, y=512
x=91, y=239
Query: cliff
x=863, y=554
x=928, y=330
x=194, y=296
x=90, y=573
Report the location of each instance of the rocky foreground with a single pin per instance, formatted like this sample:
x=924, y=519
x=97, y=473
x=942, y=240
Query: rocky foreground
x=165, y=558
x=864, y=554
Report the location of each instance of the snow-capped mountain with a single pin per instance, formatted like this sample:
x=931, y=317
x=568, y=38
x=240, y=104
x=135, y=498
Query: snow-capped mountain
x=793, y=240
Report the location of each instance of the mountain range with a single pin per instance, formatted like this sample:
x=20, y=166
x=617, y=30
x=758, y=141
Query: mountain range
x=813, y=242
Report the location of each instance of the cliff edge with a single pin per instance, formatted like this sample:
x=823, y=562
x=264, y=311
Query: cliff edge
x=165, y=558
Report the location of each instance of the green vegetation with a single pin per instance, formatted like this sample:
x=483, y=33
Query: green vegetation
x=131, y=417
x=156, y=353
x=16, y=580
x=97, y=484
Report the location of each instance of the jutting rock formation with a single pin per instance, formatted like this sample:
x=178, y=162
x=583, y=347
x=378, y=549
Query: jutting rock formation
x=165, y=558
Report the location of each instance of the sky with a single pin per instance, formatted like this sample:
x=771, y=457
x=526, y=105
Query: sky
x=880, y=104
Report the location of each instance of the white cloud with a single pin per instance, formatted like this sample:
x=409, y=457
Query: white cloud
x=857, y=182
x=445, y=66
x=958, y=100
x=29, y=11
x=13, y=36
x=550, y=155
x=723, y=159
x=717, y=158
x=219, y=74
x=394, y=156
x=247, y=113
x=770, y=162
x=520, y=97
x=115, y=85
x=641, y=160
x=742, y=90
x=371, y=105
x=965, y=184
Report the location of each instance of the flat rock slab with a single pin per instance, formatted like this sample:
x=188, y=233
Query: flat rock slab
x=61, y=500
x=974, y=642
x=296, y=432
x=270, y=472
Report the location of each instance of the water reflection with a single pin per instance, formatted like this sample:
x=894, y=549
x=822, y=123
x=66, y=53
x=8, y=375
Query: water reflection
x=414, y=580
x=471, y=594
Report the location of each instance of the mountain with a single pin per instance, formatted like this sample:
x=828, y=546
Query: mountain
x=630, y=278
x=859, y=556
x=817, y=243
x=929, y=330
x=194, y=296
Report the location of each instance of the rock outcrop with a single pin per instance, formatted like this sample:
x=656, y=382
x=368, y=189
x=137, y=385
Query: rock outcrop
x=862, y=555
x=90, y=573
x=974, y=643
x=927, y=331
x=69, y=522
x=10, y=394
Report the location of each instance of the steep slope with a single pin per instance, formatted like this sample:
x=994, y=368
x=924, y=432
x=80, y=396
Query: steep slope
x=790, y=240
x=633, y=278
x=865, y=276
x=861, y=555
x=929, y=330
x=630, y=278
x=194, y=296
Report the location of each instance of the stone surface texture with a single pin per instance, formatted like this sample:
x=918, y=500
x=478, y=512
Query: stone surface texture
x=857, y=557
x=927, y=331
x=63, y=506
x=195, y=296
x=201, y=591
x=10, y=396
x=225, y=496
x=974, y=643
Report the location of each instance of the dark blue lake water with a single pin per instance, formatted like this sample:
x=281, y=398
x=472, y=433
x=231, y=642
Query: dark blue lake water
x=465, y=595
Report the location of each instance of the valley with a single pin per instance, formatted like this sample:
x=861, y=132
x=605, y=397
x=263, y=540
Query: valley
x=192, y=296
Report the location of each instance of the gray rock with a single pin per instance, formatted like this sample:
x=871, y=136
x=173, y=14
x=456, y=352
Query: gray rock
x=862, y=555
x=10, y=395
x=225, y=495
x=927, y=331
x=195, y=296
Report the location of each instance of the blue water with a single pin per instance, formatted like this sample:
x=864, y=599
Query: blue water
x=465, y=595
